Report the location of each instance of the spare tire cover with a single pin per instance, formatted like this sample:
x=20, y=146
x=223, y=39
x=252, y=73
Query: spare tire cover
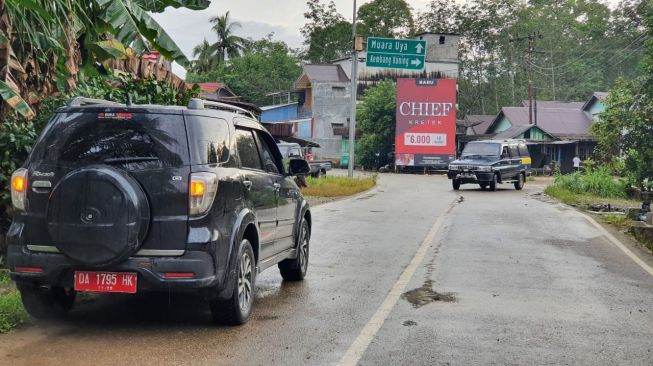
x=98, y=215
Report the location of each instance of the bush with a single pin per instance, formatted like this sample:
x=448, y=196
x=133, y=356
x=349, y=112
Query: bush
x=598, y=182
x=12, y=312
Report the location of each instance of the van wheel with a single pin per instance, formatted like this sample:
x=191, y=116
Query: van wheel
x=295, y=269
x=493, y=183
x=456, y=184
x=46, y=303
x=519, y=184
x=237, y=309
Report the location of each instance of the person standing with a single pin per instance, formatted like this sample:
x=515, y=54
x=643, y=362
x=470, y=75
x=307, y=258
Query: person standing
x=576, y=161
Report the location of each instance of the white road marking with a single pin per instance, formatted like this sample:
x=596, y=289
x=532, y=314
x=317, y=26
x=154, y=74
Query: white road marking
x=356, y=350
x=619, y=244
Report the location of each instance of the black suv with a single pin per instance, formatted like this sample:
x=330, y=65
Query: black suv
x=133, y=198
x=489, y=162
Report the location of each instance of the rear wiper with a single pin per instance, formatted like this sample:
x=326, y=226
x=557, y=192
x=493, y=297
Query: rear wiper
x=134, y=159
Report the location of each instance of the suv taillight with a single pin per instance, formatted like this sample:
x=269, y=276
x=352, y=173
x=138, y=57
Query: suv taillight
x=19, y=188
x=201, y=192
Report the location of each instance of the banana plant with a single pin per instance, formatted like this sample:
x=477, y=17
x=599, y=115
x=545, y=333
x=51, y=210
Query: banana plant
x=39, y=49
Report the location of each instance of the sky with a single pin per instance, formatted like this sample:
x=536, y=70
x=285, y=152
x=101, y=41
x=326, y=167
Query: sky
x=257, y=17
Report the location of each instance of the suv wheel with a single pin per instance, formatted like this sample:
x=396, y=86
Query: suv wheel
x=456, y=184
x=237, y=309
x=46, y=303
x=493, y=183
x=295, y=269
x=519, y=184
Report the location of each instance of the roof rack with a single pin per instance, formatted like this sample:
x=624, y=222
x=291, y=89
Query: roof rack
x=196, y=103
x=80, y=101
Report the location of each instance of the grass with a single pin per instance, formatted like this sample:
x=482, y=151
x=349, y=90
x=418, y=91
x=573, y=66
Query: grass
x=597, y=182
x=620, y=221
x=12, y=313
x=332, y=186
x=581, y=199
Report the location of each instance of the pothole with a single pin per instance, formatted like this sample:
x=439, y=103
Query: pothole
x=425, y=295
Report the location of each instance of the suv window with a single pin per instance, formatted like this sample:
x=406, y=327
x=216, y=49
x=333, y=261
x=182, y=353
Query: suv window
x=523, y=150
x=504, y=153
x=294, y=152
x=514, y=152
x=269, y=160
x=247, y=150
x=134, y=141
x=209, y=139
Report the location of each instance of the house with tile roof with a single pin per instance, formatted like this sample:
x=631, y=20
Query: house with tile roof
x=560, y=132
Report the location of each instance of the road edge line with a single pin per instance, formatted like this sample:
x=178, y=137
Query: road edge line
x=629, y=253
x=367, y=334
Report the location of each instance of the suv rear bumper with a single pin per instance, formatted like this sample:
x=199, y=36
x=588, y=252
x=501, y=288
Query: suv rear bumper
x=59, y=270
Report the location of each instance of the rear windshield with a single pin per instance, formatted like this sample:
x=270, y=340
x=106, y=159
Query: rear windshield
x=289, y=150
x=482, y=149
x=133, y=141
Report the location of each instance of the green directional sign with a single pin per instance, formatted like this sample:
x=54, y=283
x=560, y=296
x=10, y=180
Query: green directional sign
x=396, y=53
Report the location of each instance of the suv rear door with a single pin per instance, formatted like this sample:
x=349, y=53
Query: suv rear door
x=287, y=192
x=259, y=189
x=150, y=147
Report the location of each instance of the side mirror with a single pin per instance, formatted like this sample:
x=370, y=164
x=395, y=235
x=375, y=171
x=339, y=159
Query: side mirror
x=298, y=167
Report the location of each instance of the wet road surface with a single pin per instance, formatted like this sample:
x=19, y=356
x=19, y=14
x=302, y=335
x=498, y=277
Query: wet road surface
x=505, y=279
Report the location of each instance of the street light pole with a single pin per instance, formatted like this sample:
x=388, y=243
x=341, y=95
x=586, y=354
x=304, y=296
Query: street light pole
x=352, y=118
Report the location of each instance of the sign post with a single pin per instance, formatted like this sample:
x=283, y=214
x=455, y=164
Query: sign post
x=407, y=54
x=352, y=118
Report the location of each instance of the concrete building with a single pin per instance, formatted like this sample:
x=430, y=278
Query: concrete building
x=441, y=58
x=324, y=94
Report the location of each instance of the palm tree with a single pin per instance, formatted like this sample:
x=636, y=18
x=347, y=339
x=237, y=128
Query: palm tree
x=204, y=54
x=228, y=43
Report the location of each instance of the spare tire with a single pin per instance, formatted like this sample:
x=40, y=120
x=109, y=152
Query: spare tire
x=98, y=215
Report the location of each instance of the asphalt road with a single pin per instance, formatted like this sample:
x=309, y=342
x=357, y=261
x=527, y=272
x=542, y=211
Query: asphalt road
x=409, y=273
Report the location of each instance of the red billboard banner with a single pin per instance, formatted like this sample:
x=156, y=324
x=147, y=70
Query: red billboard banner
x=426, y=122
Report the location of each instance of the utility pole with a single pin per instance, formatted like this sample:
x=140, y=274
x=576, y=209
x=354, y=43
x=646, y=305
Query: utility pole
x=532, y=39
x=352, y=118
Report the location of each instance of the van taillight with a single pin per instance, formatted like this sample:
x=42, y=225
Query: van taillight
x=202, y=189
x=19, y=188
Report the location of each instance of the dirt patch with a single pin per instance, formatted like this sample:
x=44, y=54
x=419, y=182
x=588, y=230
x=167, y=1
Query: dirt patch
x=316, y=201
x=425, y=295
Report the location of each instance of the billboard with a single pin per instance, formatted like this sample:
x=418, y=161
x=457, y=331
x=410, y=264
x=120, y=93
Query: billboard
x=426, y=122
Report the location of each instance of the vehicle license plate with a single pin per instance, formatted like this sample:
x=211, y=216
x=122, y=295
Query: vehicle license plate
x=106, y=282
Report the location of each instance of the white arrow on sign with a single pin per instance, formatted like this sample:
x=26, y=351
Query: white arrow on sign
x=416, y=62
x=419, y=48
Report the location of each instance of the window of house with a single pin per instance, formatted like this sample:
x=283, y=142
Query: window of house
x=442, y=39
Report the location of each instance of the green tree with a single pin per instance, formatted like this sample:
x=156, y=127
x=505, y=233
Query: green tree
x=624, y=130
x=204, y=57
x=228, y=44
x=386, y=18
x=327, y=35
x=377, y=119
x=266, y=66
